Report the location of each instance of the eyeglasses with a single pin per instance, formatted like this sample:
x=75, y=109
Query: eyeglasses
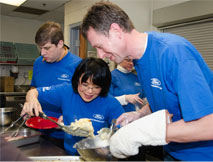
x=86, y=87
x=128, y=60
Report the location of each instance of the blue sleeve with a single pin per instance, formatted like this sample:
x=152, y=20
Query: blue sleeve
x=193, y=91
x=53, y=94
x=115, y=109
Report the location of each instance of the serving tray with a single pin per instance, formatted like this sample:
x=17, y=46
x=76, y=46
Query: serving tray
x=24, y=137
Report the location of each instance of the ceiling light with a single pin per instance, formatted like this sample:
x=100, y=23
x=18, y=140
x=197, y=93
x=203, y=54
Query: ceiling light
x=13, y=2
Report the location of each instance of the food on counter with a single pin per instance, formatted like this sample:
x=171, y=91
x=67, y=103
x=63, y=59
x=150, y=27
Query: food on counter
x=83, y=124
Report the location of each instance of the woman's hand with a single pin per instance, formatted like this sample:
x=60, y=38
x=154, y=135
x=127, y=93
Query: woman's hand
x=32, y=103
x=60, y=120
x=134, y=98
x=29, y=106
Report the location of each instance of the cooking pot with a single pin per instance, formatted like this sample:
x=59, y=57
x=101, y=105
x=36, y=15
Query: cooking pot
x=6, y=115
x=94, y=149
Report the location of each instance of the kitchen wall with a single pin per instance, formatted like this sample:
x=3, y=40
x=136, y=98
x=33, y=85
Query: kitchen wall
x=18, y=30
x=140, y=12
x=157, y=4
x=14, y=29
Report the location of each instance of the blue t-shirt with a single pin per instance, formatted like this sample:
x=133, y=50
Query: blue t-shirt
x=100, y=111
x=47, y=74
x=124, y=84
x=175, y=77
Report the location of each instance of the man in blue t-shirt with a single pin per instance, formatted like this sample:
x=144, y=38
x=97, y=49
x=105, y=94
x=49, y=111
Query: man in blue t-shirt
x=176, y=81
x=56, y=65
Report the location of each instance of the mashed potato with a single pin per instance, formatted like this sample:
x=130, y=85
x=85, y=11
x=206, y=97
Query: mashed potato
x=84, y=124
x=104, y=133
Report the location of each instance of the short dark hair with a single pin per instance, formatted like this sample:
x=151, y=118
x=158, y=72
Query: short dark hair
x=49, y=31
x=101, y=15
x=96, y=69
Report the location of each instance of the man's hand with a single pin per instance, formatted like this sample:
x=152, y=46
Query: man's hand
x=148, y=130
x=128, y=117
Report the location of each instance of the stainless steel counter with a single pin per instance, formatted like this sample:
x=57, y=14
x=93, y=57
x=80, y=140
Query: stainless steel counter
x=42, y=148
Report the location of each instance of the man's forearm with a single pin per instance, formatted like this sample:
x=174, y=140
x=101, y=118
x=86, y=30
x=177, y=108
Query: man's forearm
x=198, y=130
x=145, y=110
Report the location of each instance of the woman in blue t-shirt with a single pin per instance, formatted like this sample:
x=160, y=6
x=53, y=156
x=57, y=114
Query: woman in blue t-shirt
x=125, y=86
x=87, y=97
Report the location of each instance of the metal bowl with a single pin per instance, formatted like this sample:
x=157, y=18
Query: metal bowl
x=94, y=149
x=6, y=115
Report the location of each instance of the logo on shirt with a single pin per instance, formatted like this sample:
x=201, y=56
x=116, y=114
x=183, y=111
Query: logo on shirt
x=64, y=77
x=98, y=116
x=46, y=89
x=156, y=83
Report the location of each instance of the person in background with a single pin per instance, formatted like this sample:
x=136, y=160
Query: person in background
x=56, y=65
x=87, y=97
x=174, y=77
x=125, y=86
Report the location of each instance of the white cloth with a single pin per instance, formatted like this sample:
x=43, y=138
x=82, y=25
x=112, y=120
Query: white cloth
x=123, y=70
x=148, y=130
x=122, y=99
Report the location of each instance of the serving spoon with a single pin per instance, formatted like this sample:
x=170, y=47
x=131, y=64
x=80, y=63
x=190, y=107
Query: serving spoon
x=75, y=131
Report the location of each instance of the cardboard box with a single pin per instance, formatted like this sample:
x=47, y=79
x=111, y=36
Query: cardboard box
x=7, y=84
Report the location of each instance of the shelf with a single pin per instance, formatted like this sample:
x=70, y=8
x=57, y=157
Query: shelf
x=13, y=93
x=13, y=64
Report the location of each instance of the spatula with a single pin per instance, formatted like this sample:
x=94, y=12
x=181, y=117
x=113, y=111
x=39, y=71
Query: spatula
x=68, y=129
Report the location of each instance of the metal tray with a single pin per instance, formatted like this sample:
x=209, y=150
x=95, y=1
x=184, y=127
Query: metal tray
x=55, y=158
x=24, y=137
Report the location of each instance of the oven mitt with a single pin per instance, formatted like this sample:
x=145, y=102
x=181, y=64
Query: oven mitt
x=148, y=130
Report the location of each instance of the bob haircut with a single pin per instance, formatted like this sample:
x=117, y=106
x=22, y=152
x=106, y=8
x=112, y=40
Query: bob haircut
x=95, y=69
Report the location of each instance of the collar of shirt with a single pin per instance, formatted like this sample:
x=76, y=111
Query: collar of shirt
x=64, y=54
x=146, y=40
x=120, y=68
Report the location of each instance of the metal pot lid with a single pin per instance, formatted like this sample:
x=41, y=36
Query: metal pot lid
x=7, y=109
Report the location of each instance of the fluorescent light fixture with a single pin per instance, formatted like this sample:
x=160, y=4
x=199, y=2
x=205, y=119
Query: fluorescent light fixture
x=13, y=2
